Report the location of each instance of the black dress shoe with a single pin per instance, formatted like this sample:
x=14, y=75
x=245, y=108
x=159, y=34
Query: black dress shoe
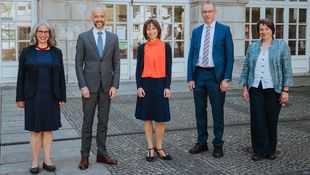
x=270, y=156
x=164, y=157
x=34, y=170
x=199, y=147
x=218, y=152
x=50, y=168
x=256, y=157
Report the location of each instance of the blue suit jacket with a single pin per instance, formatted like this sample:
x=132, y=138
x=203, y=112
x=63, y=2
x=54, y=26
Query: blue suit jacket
x=223, y=52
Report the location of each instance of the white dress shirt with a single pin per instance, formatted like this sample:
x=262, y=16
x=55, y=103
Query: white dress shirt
x=211, y=62
x=262, y=71
x=103, y=36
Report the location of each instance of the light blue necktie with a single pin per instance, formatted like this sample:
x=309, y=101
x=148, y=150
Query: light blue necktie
x=100, y=44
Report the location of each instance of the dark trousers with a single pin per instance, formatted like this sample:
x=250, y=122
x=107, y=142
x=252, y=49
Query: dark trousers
x=206, y=86
x=265, y=109
x=101, y=99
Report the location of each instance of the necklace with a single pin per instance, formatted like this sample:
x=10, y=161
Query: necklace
x=42, y=48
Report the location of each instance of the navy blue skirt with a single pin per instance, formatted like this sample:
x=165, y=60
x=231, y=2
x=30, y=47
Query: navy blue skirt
x=153, y=106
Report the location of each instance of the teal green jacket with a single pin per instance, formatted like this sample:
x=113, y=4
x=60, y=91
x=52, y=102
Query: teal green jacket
x=279, y=61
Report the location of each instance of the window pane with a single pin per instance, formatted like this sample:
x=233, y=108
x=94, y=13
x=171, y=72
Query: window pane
x=279, y=15
x=109, y=27
x=23, y=10
x=135, y=46
x=166, y=12
x=292, y=45
x=7, y=11
x=137, y=14
x=179, y=49
x=121, y=31
x=21, y=46
x=302, y=48
x=23, y=31
x=247, y=32
x=179, y=14
x=110, y=13
x=254, y=32
x=8, y=51
x=8, y=31
x=269, y=13
x=255, y=14
x=292, y=15
x=292, y=32
x=279, y=31
x=123, y=49
x=302, y=32
x=150, y=12
x=247, y=15
x=302, y=16
x=178, y=32
x=167, y=31
x=137, y=32
x=121, y=13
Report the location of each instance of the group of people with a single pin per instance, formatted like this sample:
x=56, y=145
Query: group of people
x=266, y=78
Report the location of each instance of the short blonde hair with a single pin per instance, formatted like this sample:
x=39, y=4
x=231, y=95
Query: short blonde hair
x=52, y=37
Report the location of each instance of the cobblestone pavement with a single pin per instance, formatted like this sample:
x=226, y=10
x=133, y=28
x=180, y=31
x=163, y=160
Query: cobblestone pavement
x=126, y=140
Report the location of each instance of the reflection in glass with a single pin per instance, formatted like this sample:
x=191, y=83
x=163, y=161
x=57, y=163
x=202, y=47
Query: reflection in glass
x=302, y=32
x=179, y=14
x=247, y=31
x=21, y=46
x=8, y=31
x=166, y=31
x=279, y=15
x=8, y=51
x=166, y=13
x=292, y=45
x=121, y=31
x=279, y=31
x=302, y=47
x=137, y=32
x=121, y=13
x=150, y=12
x=292, y=15
x=269, y=13
x=179, y=49
x=178, y=32
x=247, y=15
x=292, y=32
x=123, y=49
x=7, y=11
x=135, y=47
x=255, y=34
x=137, y=14
x=23, y=10
x=23, y=31
x=109, y=15
x=302, y=16
x=255, y=14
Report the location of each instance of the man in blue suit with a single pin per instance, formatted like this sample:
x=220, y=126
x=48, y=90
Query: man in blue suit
x=210, y=65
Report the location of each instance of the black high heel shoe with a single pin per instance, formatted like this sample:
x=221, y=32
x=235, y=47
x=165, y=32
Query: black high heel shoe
x=50, y=168
x=165, y=157
x=149, y=156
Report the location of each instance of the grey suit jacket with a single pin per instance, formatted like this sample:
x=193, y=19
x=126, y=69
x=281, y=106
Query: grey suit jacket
x=91, y=70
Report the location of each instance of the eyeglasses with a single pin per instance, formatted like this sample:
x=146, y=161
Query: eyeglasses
x=41, y=32
x=208, y=11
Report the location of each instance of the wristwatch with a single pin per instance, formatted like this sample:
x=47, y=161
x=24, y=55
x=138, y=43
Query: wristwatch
x=286, y=91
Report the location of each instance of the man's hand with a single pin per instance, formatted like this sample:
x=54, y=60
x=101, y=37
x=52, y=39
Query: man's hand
x=85, y=92
x=140, y=92
x=112, y=93
x=191, y=85
x=224, y=86
x=20, y=104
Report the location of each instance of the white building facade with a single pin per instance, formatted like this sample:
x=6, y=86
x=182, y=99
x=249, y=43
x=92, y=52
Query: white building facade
x=126, y=18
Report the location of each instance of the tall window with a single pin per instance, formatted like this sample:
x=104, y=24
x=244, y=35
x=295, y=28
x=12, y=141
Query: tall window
x=15, y=28
x=252, y=16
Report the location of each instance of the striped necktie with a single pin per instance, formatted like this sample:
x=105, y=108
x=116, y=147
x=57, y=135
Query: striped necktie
x=206, y=44
x=100, y=44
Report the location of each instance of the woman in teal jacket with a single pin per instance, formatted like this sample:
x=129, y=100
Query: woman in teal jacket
x=266, y=77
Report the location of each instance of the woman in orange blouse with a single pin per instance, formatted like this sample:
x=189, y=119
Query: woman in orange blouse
x=153, y=78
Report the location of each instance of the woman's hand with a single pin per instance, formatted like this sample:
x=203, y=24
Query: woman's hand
x=245, y=94
x=61, y=104
x=140, y=92
x=283, y=98
x=167, y=93
x=20, y=104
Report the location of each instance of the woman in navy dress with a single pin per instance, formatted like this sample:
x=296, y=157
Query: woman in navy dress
x=153, y=78
x=41, y=91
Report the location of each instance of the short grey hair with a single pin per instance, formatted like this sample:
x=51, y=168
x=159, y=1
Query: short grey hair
x=52, y=38
x=208, y=2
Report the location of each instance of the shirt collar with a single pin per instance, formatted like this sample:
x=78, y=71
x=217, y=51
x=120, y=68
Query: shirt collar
x=212, y=25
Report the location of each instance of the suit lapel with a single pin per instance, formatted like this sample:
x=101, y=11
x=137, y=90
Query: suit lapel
x=216, y=31
x=93, y=41
x=200, y=29
x=107, y=42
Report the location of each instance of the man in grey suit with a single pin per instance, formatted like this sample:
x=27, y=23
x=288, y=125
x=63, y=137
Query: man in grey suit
x=97, y=66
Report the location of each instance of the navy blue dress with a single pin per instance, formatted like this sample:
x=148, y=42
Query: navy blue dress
x=42, y=111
